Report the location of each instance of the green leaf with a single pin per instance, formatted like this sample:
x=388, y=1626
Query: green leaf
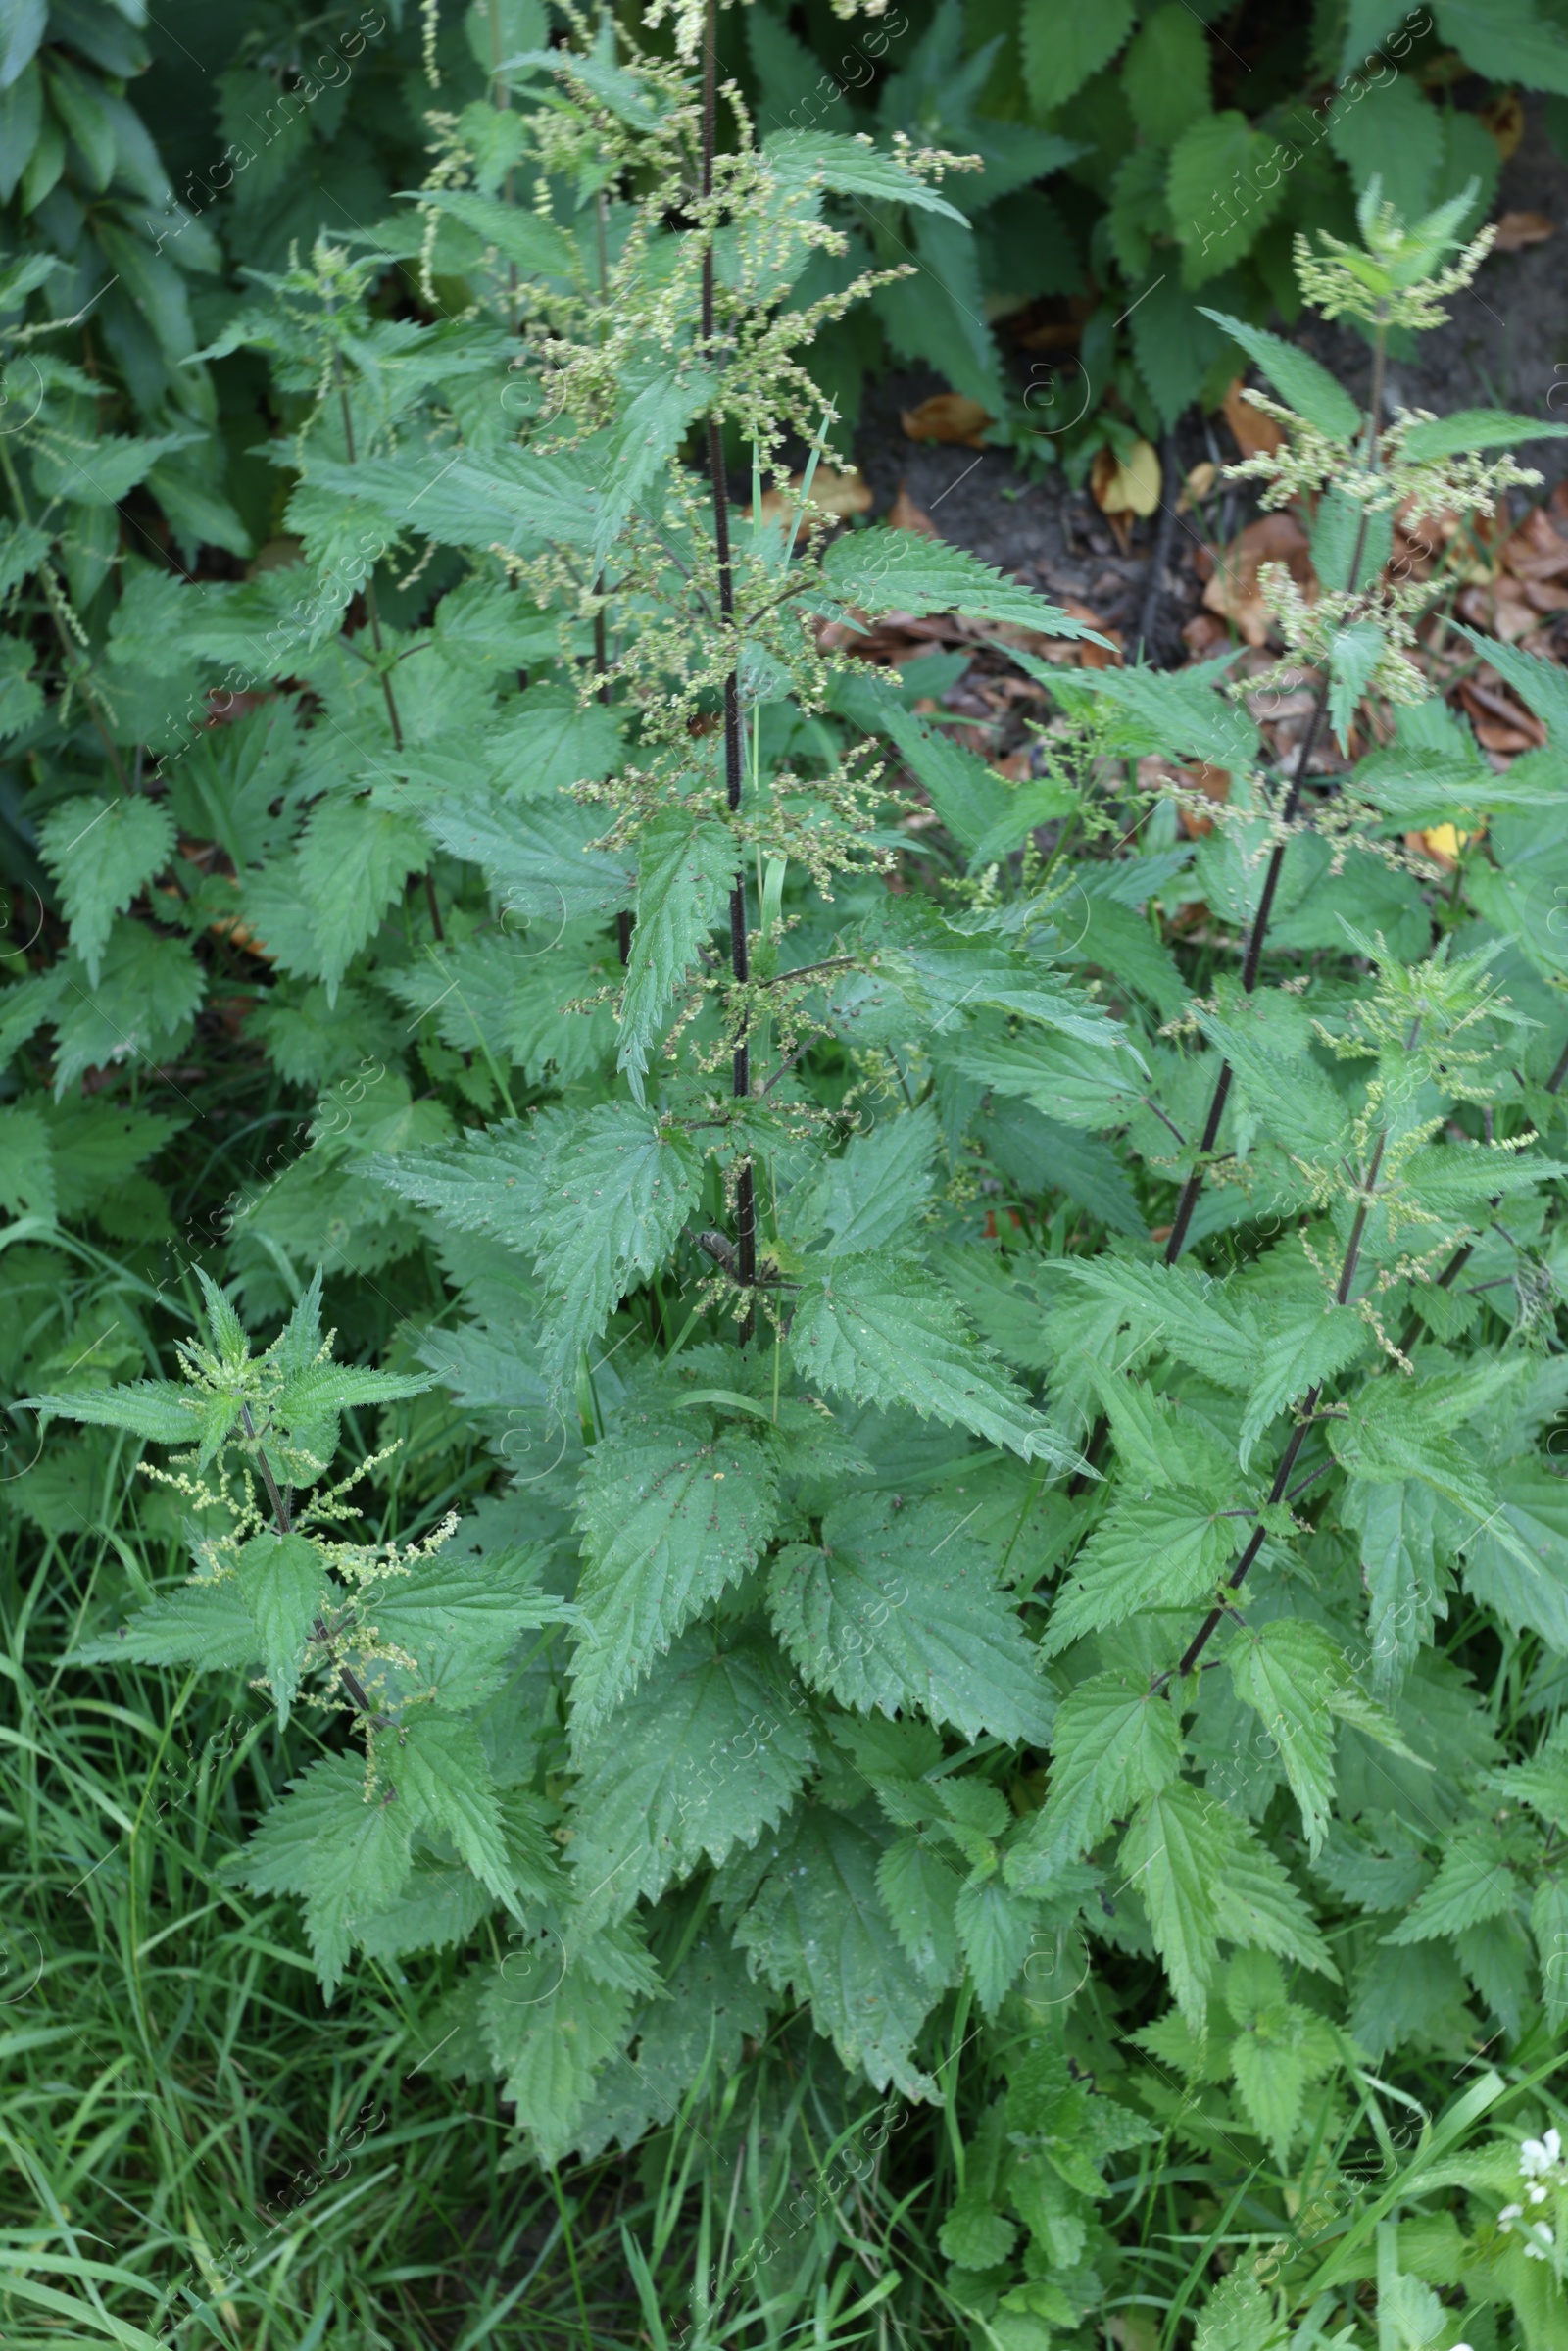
x=145, y=997
x=548, y=2031
x=283, y=1581
x=870, y=1195
x=1438, y=437
x=1165, y=73
x=974, y=2236
x=1115, y=1742
x=1162, y=1548
x=1294, y=1100
x=103, y=851
x=897, y=1607
x=1395, y=1523
x=1082, y=1085
x=1318, y=1341
x=438, y=1767
x=345, y=1854
x=1540, y=685
x=535, y=856
x=816, y=1926
x=1238, y=2316
x=686, y=867
x=1299, y=379
x=669, y=1519
x=1063, y=45
x=202, y=1624
x=1368, y=22
x=1180, y=712
x=546, y=741
x=1517, y=1560
x=1255, y=1903
x=1190, y=1314
x=353, y=859
x=1204, y=165
x=1474, y=1881
x=994, y=1928
x=920, y=1892
x=1390, y=131
x=1288, y=1672
x=884, y=569
x=27, y=1165
x=803, y=160
x=1548, y=1923
x=1354, y=653
x=534, y=245
x=1506, y=41
x=880, y=1330
x=459, y=1619
x=158, y=1408
x=1175, y=1854
x=707, y=1752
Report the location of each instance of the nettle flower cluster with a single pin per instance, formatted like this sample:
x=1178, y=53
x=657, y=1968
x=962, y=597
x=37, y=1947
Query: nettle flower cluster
x=1405, y=468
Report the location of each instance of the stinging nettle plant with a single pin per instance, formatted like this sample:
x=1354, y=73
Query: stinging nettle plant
x=909, y=1552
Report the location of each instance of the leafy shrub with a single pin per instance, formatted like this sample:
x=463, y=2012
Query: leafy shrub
x=921, y=1589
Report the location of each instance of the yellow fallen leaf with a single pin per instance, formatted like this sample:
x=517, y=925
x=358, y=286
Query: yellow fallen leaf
x=1128, y=485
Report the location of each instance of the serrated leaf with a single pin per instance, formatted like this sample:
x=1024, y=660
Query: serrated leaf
x=1191, y=1316
x=874, y=1189
x=346, y=1855
x=1164, y=1549
x=920, y=1893
x=1063, y=45
x=976, y=2237
x=816, y=1926
x=883, y=570
x=459, y=1618
x=536, y=856
x=1354, y=653
x=1294, y=1100
x=1438, y=437
x=202, y=1624
x=444, y=1786
x=1474, y=1882
x=800, y=160
x=1203, y=163
x=157, y=1409
x=549, y=2028
x=1297, y=1356
x=282, y=1579
x=103, y=851
x=1175, y=1854
x=880, y=1330
x=1115, y=1742
x=436, y=1909
x=686, y=865
x=669, y=1519
x=1297, y=378
x=1257, y=1903
x=707, y=1753
x=1288, y=1672
x=994, y=1928
x=536, y=246
x=900, y=1608
x=1517, y=1560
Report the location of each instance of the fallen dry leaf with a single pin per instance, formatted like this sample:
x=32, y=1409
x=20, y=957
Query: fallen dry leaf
x=948, y=417
x=1256, y=434
x=1233, y=592
x=1127, y=485
x=1197, y=485
x=1058, y=335
x=1501, y=724
x=1504, y=118
x=904, y=514
x=1202, y=633
x=1442, y=843
x=1502, y=608
x=1515, y=230
x=834, y=492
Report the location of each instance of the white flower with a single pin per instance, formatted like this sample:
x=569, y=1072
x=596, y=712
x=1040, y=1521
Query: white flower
x=1539, y=2155
x=1538, y=2195
x=1509, y=2215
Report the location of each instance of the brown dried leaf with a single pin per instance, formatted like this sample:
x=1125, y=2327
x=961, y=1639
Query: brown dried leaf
x=904, y=514
x=1127, y=485
x=1515, y=230
x=1504, y=118
x=1233, y=592
x=1256, y=434
x=834, y=492
x=948, y=417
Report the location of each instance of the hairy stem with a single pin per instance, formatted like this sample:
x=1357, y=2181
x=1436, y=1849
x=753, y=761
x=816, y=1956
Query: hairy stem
x=738, y=955
x=1292, y=801
x=283, y=1519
